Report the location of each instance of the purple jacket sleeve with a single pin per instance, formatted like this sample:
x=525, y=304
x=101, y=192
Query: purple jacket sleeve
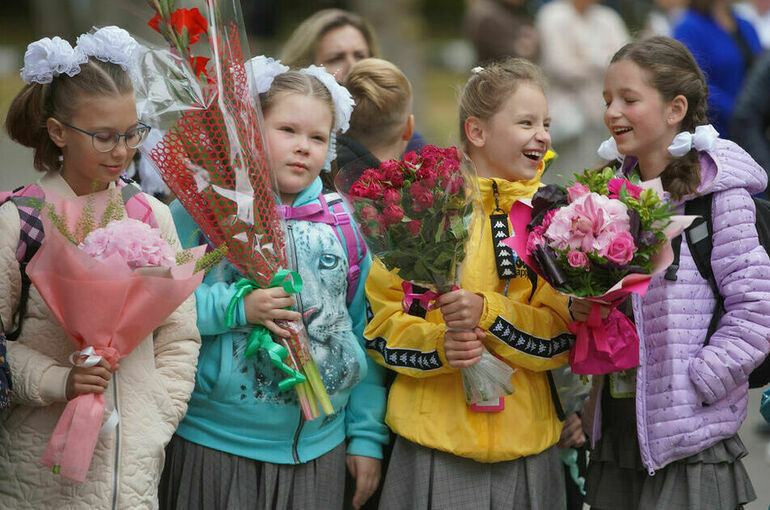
x=742, y=272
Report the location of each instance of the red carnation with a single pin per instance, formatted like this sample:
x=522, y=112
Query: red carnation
x=358, y=189
x=427, y=175
x=190, y=19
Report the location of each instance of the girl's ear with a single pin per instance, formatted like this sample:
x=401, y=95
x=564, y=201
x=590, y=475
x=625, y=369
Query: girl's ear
x=56, y=132
x=474, y=131
x=677, y=109
x=408, y=128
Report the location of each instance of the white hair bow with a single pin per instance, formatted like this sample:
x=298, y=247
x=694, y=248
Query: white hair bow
x=264, y=70
x=343, y=101
x=609, y=150
x=703, y=139
x=47, y=58
x=110, y=44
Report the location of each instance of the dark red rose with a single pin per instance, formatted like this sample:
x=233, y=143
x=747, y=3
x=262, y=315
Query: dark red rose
x=391, y=196
x=392, y=214
x=413, y=227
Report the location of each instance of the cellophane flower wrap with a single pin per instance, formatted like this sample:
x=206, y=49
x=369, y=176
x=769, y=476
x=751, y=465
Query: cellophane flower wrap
x=601, y=238
x=212, y=157
x=131, y=299
x=415, y=215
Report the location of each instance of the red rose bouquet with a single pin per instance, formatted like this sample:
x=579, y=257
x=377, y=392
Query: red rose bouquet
x=415, y=216
x=601, y=238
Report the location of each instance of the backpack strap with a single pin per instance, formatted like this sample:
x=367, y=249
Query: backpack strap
x=330, y=210
x=700, y=242
x=350, y=238
x=28, y=201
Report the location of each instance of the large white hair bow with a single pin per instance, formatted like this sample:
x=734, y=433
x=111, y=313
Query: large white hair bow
x=47, y=58
x=703, y=140
x=609, y=150
x=343, y=101
x=110, y=44
x=264, y=70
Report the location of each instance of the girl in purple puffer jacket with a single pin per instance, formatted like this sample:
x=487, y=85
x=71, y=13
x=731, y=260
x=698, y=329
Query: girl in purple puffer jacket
x=664, y=434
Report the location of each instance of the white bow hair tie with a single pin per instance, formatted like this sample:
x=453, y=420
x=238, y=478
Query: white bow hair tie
x=703, y=140
x=609, y=150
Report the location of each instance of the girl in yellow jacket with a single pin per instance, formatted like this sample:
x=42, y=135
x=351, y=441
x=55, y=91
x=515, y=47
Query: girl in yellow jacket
x=447, y=455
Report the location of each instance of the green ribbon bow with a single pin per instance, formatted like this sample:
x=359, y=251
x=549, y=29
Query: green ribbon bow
x=259, y=337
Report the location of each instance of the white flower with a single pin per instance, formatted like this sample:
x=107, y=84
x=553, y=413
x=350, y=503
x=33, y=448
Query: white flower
x=264, y=70
x=343, y=101
x=110, y=44
x=47, y=58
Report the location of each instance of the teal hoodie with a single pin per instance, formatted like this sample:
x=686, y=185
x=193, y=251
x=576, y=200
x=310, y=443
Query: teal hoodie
x=236, y=405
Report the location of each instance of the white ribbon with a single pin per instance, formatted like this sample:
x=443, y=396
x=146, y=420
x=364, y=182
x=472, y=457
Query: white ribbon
x=609, y=150
x=264, y=70
x=343, y=101
x=703, y=140
x=91, y=360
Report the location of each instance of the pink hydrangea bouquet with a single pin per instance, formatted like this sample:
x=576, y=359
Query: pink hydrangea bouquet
x=135, y=242
x=601, y=238
x=94, y=258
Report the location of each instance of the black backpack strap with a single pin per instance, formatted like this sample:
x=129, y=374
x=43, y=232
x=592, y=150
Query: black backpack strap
x=555, y=397
x=700, y=241
x=532, y=276
x=671, y=270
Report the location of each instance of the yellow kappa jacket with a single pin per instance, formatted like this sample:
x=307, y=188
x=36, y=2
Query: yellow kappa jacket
x=426, y=404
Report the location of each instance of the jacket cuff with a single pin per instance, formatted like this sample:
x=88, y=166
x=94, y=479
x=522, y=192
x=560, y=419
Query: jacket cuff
x=53, y=384
x=364, y=447
x=492, y=309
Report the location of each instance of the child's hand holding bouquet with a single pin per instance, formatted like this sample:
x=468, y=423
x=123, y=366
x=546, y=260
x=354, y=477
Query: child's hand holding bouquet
x=599, y=239
x=415, y=216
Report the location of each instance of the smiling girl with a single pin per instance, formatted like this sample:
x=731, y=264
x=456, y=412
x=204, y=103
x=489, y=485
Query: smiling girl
x=446, y=454
x=677, y=415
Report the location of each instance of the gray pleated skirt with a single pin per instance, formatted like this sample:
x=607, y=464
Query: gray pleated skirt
x=200, y=478
x=421, y=478
x=713, y=479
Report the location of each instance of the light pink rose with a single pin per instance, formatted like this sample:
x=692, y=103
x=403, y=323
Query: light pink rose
x=621, y=249
x=576, y=191
x=577, y=258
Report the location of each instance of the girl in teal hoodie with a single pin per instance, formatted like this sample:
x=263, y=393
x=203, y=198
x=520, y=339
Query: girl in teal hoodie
x=243, y=442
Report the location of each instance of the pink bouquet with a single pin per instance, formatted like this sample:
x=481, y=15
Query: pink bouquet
x=600, y=239
x=131, y=304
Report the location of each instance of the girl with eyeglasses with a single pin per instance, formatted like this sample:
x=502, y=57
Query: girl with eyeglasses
x=77, y=111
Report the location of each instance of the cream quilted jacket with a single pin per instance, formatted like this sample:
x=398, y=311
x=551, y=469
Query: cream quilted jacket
x=150, y=391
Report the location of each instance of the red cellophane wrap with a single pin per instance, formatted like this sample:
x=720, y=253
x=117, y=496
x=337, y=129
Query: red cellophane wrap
x=130, y=304
x=212, y=154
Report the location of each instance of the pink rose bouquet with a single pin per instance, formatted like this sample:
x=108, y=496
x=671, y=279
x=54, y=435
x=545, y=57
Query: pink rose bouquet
x=601, y=238
x=415, y=216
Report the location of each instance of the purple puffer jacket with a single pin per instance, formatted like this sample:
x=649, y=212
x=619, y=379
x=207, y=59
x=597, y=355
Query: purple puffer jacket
x=690, y=396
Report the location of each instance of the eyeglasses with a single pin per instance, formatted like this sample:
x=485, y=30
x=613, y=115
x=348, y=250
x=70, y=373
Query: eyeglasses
x=105, y=141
